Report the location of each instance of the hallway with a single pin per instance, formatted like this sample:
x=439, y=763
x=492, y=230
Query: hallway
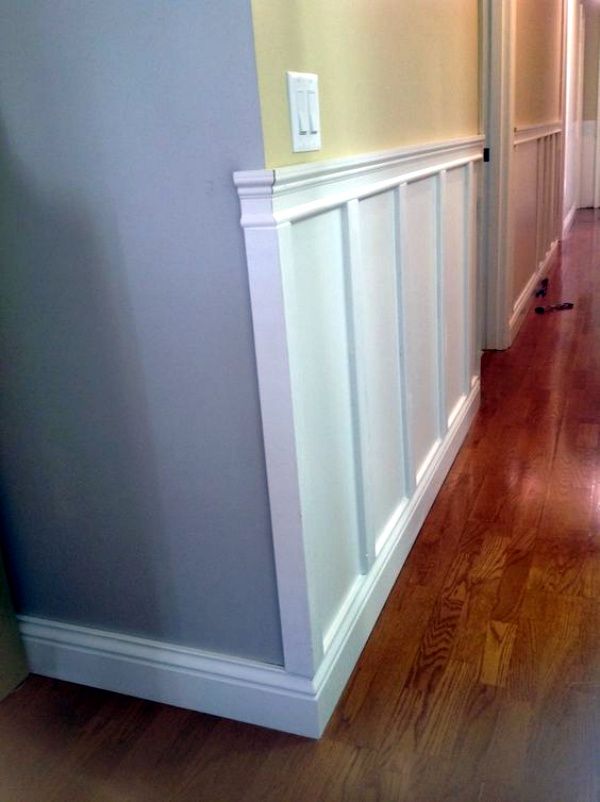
x=481, y=681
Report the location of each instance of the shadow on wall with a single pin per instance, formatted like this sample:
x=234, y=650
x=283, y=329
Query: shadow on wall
x=77, y=469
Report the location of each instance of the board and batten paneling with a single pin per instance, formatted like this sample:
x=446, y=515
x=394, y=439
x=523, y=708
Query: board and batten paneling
x=364, y=279
x=535, y=195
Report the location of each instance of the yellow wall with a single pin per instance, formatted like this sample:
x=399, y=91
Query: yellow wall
x=391, y=73
x=590, y=68
x=538, y=62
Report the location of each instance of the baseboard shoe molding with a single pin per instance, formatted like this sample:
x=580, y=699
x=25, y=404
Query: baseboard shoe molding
x=244, y=690
x=568, y=221
x=524, y=300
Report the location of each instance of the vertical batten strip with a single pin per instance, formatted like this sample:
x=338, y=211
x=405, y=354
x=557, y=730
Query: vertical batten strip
x=547, y=177
x=478, y=291
x=400, y=234
x=440, y=196
x=543, y=213
x=556, y=226
x=555, y=233
x=550, y=192
x=352, y=257
x=553, y=185
x=547, y=182
x=469, y=338
x=558, y=189
x=553, y=188
x=539, y=203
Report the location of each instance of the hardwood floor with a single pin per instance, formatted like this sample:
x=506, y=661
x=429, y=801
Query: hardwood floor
x=481, y=681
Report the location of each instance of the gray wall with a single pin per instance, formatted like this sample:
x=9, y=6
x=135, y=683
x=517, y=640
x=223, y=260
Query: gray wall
x=133, y=482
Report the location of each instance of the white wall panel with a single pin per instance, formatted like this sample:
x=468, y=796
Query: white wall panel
x=456, y=311
x=315, y=305
x=421, y=316
x=378, y=352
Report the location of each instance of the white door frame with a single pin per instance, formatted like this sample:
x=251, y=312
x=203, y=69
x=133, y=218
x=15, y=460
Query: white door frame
x=564, y=113
x=580, y=80
x=597, y=148
x=571, y=97
x=498, y=66
x=498, y=20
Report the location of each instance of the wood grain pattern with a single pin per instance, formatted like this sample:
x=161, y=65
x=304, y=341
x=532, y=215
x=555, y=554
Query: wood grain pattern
x=481, y=680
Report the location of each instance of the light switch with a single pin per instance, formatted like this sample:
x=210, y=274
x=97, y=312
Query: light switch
x=305, y=120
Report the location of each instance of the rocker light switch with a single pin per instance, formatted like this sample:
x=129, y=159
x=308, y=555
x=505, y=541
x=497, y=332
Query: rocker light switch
x=305, y=122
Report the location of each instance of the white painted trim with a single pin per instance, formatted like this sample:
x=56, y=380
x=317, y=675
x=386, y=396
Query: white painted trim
x=539, y=129
x=597, y=148
x=351, y=223
x=400, y=243
x=564, y=114
x=299, y=177
x=580, y=89
x=523, y=302
x=244, y=690
x=301, y=645
x=440, y=235
x=533, y=132
x=314, y=207
x=498, y=238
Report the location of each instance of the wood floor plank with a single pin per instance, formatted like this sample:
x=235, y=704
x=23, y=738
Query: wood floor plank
x=497, y=653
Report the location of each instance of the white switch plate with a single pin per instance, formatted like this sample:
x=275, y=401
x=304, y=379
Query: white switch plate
x=305, y=119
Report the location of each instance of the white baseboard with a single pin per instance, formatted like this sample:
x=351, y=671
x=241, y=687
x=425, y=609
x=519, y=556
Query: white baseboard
x=231, y=687
x=524, y=300
x=256, y=693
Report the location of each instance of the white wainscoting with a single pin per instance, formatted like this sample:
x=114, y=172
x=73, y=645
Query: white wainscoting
x=537, y=228
x=364, y=279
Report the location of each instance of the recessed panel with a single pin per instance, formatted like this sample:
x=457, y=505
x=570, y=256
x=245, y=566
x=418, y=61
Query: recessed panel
x=375, y=298
x=455, y=311
x=475, y=294
x=421, y=319
x=315, y=300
